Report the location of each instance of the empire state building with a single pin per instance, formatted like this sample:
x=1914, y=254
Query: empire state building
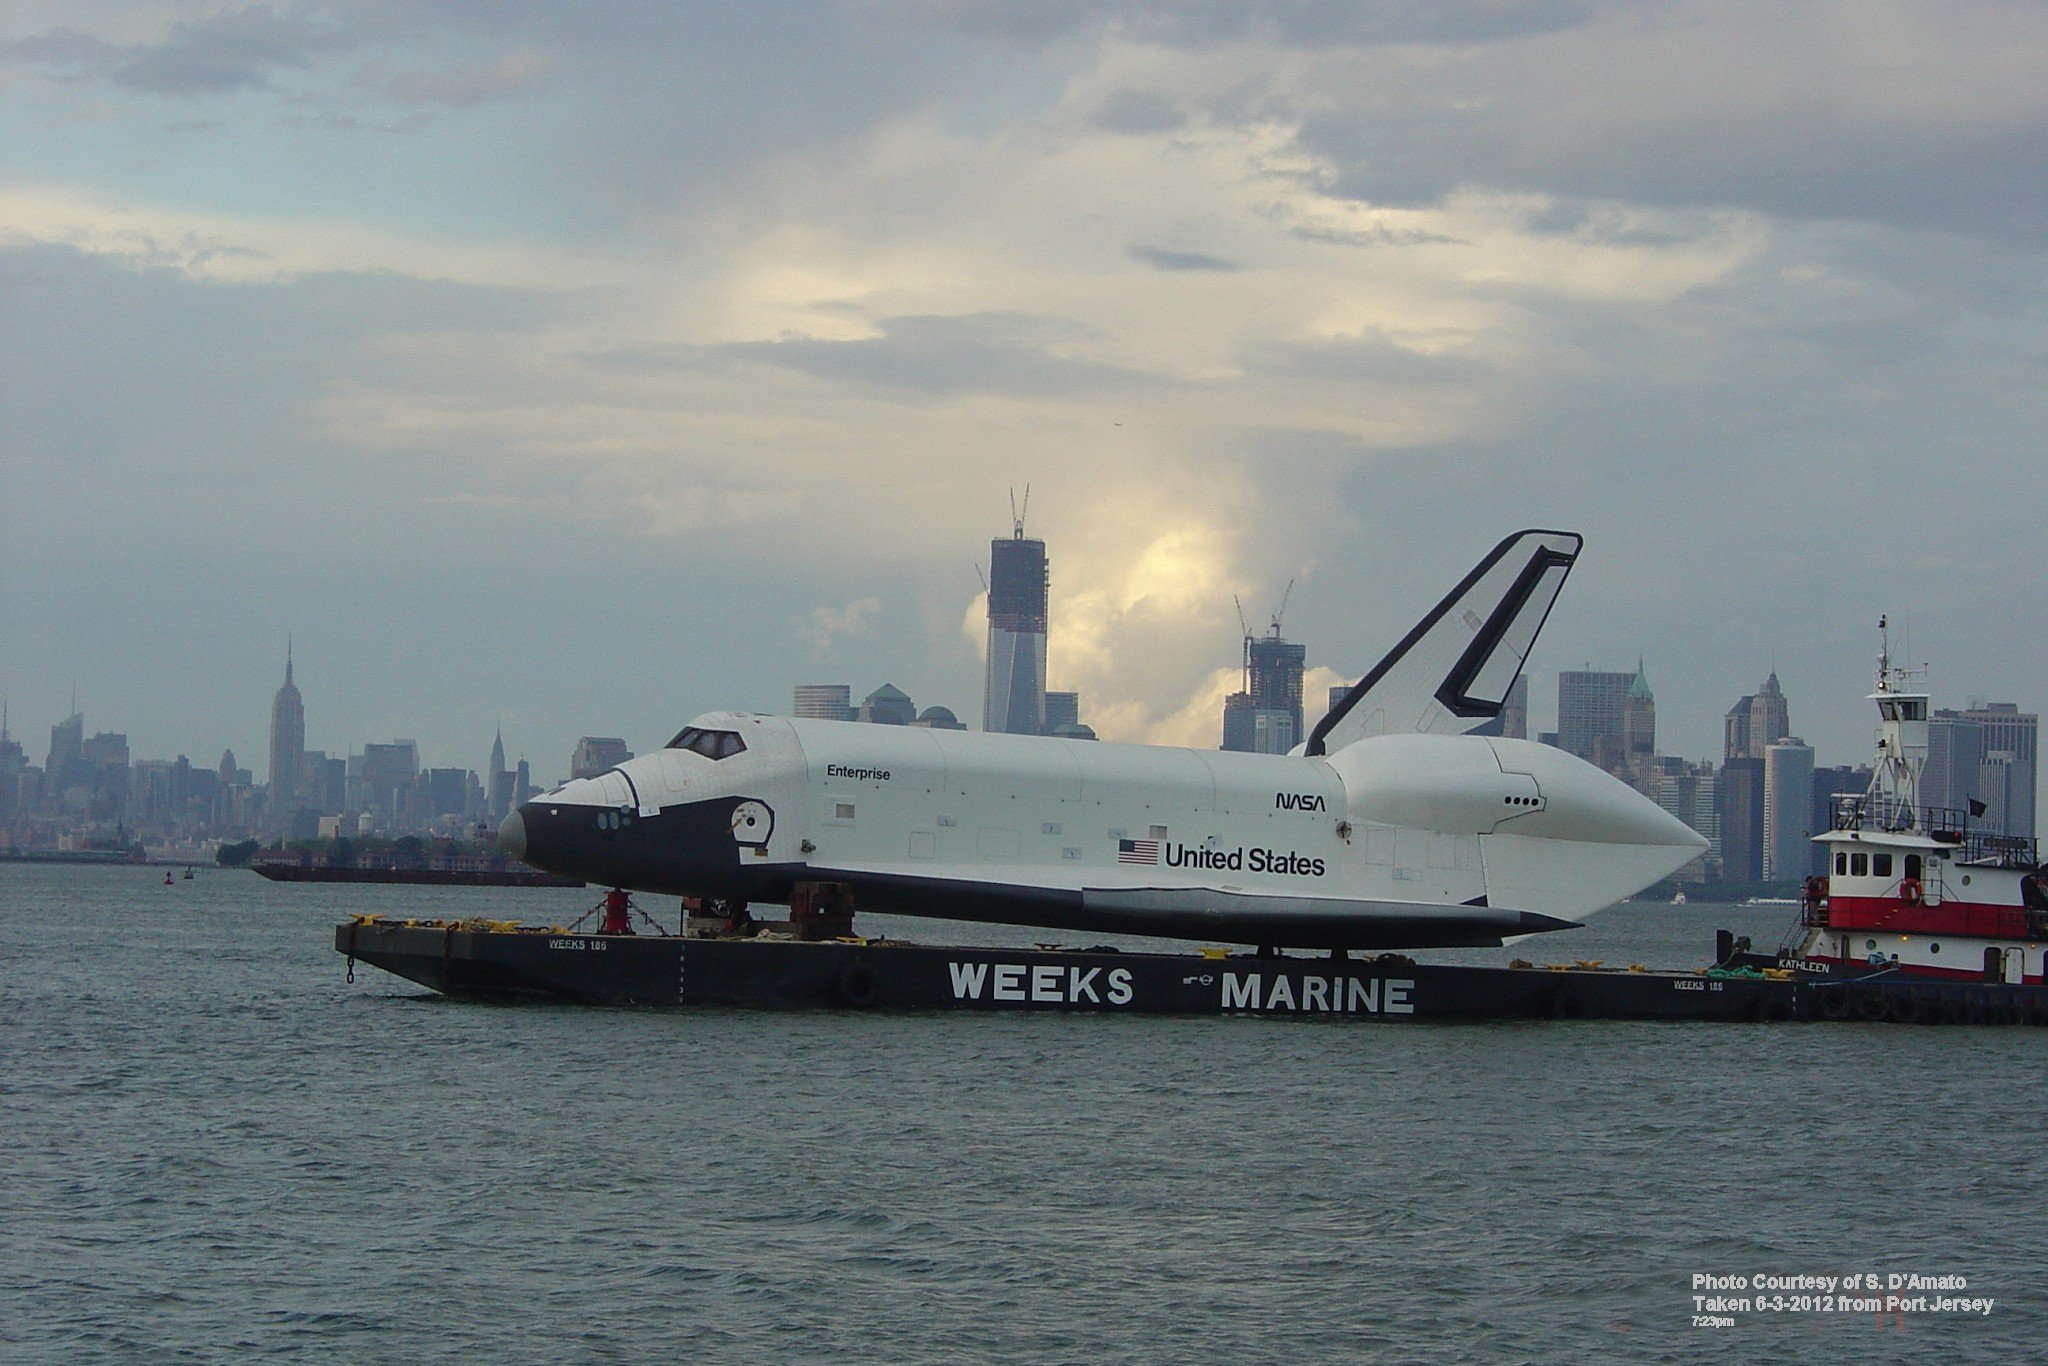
x=287, y=747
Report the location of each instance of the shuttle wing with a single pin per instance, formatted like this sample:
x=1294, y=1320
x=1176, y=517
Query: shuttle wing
x=1025, y=896
x=1451, y=674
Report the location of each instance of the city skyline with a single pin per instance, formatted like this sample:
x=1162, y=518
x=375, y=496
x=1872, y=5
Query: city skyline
x=1770, y=791
x=1836, y=729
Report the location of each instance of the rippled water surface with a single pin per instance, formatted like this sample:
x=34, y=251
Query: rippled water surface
x=215, y=1146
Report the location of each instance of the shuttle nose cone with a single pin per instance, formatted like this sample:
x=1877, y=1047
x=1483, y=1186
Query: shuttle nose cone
x=512, y=835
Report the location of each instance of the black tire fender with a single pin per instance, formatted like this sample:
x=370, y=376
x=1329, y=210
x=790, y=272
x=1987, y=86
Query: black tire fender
x=857, y=986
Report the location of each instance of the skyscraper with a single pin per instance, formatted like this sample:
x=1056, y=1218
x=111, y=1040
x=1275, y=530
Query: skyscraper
x=287, y=747
x=1512, y=722
x=1240, y=734
x=1788, y=809
x=1638, y=721
x=12, y=761
x=1735, y=729
x=1690, y=792
x=1514, y=713
x=1987, y=754
x=1013, y=700
x=65, y=768
x=597, y=754
x=1770, y=718
x=1272, y=675
x=823, y=702
x=498, y=785
x=888, y=705
x=1955, y=753
x=1589, y=705
x=1266, y=718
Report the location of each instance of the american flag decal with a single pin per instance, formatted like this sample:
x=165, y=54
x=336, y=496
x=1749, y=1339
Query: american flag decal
x=1137, y=851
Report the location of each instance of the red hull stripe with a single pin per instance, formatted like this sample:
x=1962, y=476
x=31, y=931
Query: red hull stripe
x=1976, y=918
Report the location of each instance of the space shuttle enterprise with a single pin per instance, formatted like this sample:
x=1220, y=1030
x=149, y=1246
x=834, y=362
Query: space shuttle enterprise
x=1392, y=826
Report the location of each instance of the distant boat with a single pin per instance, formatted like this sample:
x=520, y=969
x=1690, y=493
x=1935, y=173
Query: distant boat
x=1679, y=899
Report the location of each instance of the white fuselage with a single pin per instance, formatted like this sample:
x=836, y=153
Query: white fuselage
x=1437, y=821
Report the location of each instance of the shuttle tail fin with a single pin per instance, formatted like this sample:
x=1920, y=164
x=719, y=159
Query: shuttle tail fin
x=1451, y=674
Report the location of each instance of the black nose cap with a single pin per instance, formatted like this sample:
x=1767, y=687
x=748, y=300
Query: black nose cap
x=512, y=835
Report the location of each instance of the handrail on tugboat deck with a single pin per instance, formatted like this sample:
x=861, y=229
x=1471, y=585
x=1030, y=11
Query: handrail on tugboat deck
x=1944, y=825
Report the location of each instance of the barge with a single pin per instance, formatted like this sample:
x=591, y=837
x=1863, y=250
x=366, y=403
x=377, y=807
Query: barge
x=503, y=960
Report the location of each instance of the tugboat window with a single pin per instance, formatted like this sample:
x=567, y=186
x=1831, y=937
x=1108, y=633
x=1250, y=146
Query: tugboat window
x=1859, y=865
x=1913, y=865
x=1841, y=864
x=1881, y=864
x=712, y=744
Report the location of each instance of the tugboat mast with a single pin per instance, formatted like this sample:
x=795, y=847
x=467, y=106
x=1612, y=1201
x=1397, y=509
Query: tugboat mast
x=1893, y=799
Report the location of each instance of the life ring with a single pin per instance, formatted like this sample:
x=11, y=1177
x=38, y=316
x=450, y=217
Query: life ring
x=857, y=986
x=1911, y=892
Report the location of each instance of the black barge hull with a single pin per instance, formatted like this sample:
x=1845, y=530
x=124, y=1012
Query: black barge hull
x=650, y=970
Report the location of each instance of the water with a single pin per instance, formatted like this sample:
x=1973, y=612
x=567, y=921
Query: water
x=213, y=1146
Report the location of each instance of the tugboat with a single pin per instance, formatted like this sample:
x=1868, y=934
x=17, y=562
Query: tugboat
x=1914, y=893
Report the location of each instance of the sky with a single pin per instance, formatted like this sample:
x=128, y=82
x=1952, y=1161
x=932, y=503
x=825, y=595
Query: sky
x=578, y=369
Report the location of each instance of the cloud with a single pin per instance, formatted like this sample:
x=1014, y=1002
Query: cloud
x=1677, y=276
x=239, y=247
x=217, y=54
x=1918, y=122
x=828, y=624
x=1161, y=259
x=1140, y=112
x=988, y=353
x=517, y=73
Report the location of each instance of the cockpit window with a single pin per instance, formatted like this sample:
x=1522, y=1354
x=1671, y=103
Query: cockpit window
x=712, y=744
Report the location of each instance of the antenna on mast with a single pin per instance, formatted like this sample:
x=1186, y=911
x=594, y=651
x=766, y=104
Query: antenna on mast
x=1017, y=514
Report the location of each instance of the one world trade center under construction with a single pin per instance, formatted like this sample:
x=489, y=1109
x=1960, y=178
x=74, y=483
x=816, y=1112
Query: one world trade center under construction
x=1014, y=700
